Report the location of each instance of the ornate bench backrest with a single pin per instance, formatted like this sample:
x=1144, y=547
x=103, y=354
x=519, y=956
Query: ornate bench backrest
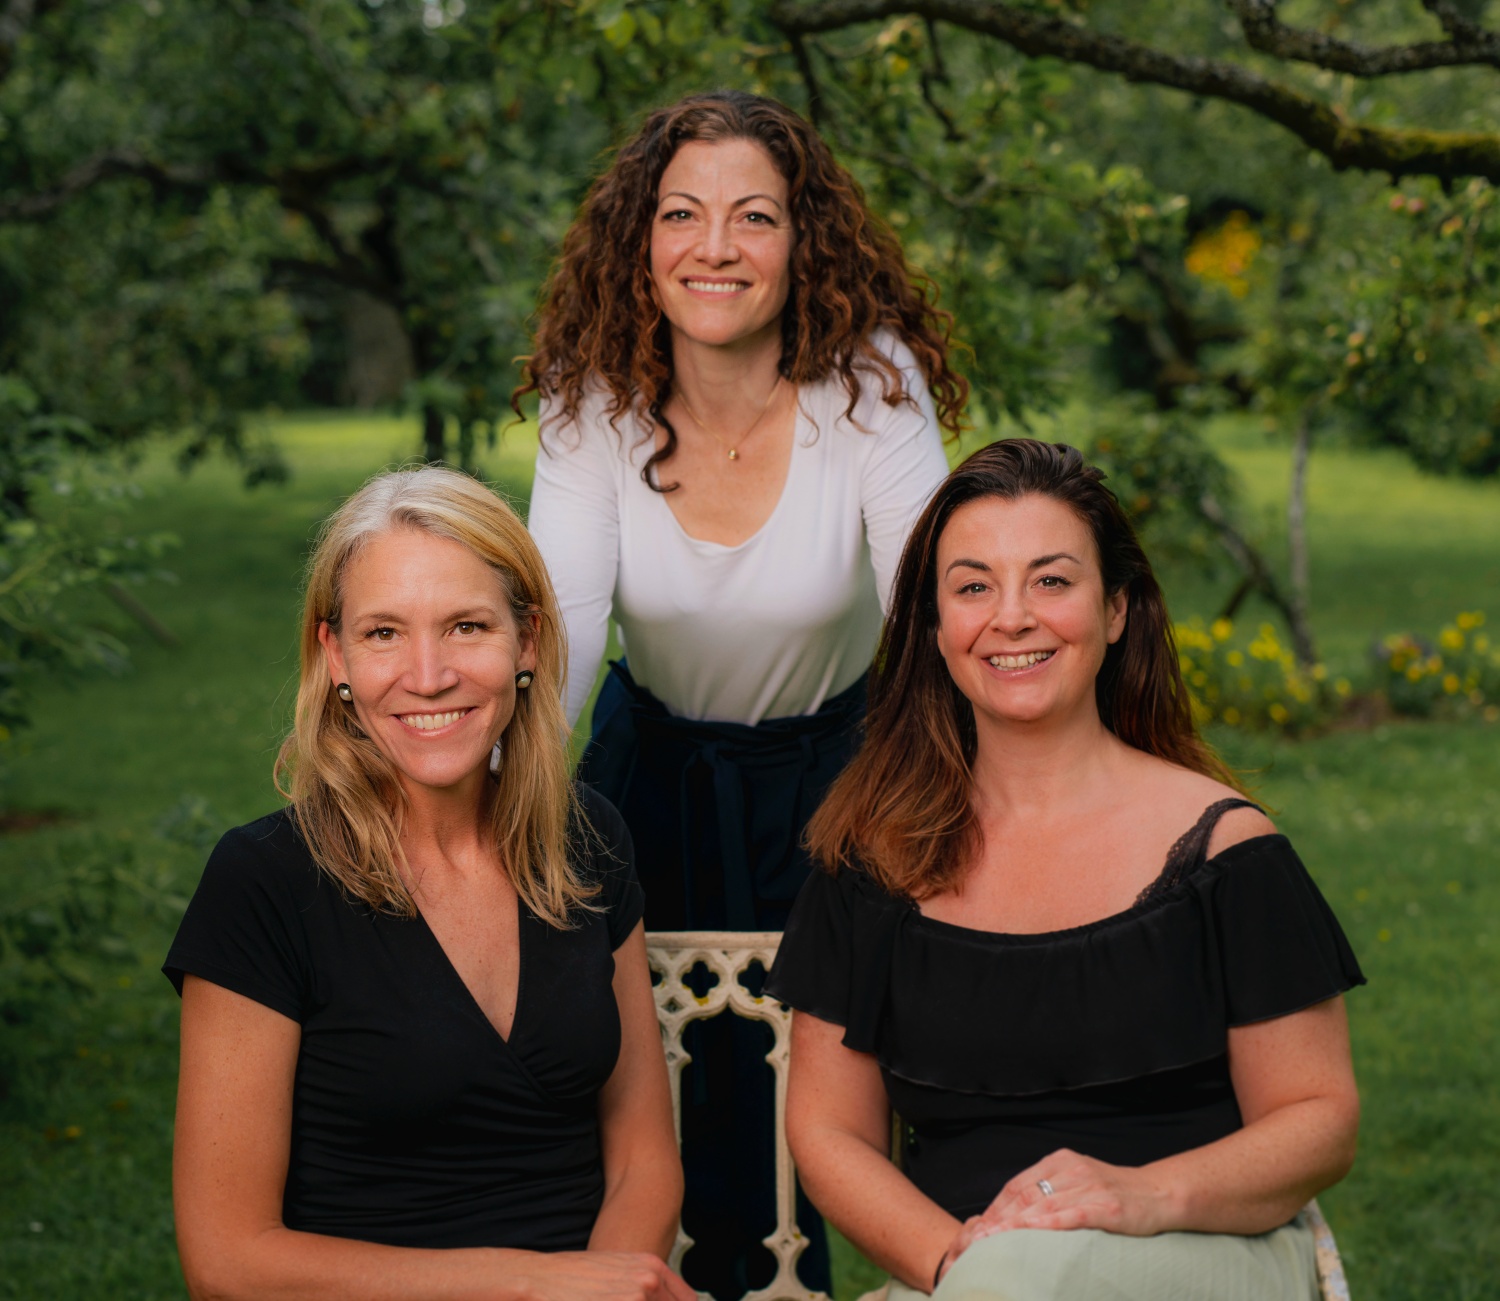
x=728, y=954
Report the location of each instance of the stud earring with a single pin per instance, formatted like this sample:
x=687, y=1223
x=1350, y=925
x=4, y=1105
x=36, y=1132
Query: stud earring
x=345, y=694
x=497, y=753
x=524, y=679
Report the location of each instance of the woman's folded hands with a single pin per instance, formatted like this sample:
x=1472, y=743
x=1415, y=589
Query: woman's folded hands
x=1066, y=1190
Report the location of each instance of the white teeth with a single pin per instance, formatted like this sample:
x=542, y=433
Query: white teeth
x=715, y=286
x=430, y=722
x=1020, y=661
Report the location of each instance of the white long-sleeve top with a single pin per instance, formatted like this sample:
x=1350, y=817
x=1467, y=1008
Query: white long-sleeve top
x=766, y=629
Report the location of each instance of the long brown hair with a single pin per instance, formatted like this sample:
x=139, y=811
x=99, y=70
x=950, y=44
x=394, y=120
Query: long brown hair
x=903, y=810
x=600, y=324
x=346, y=798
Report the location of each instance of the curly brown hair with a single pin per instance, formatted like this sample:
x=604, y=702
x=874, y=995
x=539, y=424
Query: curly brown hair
x=600, y=322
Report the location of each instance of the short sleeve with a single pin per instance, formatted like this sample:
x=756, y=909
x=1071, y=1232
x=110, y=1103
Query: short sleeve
x=241, y=929
x=1281, y=947
x=812, y=968
x=612, y=865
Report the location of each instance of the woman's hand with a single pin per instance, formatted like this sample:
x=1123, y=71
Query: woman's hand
x=1085, y=1194
x=1068, y=1191
x=597, y=1276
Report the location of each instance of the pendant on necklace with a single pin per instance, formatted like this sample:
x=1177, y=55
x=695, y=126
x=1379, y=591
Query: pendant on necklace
x=734, y=454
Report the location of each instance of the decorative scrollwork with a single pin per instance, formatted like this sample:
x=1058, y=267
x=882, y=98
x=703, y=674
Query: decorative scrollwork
x=728, y=955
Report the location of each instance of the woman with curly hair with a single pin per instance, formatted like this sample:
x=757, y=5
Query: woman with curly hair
x=743, y=391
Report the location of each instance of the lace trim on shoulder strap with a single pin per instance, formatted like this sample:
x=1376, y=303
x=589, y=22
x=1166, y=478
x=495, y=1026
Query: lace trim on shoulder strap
x=1191, y=848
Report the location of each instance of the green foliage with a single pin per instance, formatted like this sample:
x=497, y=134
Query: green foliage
x=1161, y=469
x=60, y=941
x=1388, y=321
x=1255, y=683
x=1456, y=673
x=49, y=552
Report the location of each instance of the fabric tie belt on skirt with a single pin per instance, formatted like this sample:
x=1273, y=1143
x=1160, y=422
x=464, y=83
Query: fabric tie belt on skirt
x=772, y=758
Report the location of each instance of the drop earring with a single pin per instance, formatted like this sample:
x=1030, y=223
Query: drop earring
x=524, y=679
x=497, y=753
x=345, y=694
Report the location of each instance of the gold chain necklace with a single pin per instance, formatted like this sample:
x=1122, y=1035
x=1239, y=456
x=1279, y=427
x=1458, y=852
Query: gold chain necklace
x=733, y=449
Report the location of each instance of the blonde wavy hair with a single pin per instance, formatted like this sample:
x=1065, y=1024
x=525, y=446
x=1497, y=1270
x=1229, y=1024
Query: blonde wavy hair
x=345, y=796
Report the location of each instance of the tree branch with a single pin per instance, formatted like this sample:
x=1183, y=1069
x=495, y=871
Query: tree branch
x=103, y=167
x=1265, y=32
x=1446, y=155
x=1455, y=22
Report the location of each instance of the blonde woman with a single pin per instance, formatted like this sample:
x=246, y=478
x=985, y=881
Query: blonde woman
x=419, y=1053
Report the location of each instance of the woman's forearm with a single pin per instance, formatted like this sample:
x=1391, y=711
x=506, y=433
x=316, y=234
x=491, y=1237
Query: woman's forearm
x=281, y=1264
x=1256, y=1179
x=641, y=1209
x=875, y=1206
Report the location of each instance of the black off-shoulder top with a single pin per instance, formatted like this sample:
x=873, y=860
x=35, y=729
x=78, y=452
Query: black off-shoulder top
x=1110, y=1038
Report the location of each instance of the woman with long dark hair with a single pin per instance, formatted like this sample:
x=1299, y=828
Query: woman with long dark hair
x=743, y=392
x=1100, y=991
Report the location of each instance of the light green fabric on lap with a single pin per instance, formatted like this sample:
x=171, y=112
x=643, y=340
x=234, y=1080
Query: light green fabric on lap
x=1091, y=1265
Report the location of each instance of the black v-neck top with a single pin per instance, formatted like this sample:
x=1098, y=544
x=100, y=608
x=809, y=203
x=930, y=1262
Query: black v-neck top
x=413, y=1122
x=1110, y=1038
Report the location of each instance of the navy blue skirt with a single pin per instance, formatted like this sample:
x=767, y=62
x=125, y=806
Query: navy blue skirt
x=717, y=812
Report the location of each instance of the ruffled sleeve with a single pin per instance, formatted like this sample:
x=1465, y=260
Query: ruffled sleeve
x=812, y=968
x=1281, y=947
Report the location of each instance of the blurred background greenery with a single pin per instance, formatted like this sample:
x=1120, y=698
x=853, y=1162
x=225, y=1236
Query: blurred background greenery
x=253, y=250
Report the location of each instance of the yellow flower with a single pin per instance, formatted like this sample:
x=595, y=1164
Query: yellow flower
x=1451, y=684
x=1221, y=629
x=1319, y=672
x=1434, y=663
x=1200, y=679
x=1342, y=687
x=1414, y=673
x=1451, y=639
x=1481, y=643
x=1278, y=713
x=1231, y=715
x=1234, y=659
x=1471, y=619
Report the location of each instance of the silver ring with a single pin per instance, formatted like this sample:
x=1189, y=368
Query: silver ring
x=1047, y=1189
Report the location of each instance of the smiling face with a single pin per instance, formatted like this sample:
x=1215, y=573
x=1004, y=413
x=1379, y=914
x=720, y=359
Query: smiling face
x=1023, y=617
x=430, y=649
x=721, y=244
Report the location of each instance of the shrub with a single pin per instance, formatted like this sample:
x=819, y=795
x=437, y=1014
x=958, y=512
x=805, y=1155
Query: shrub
x=1458, y=673
x=1254, y=684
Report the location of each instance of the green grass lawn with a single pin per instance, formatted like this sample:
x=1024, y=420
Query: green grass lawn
x=1399, y=824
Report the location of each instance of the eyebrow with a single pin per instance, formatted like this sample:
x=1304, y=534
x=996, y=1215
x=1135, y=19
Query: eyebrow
x=1038, y=563
x=738, y=203
x=467, y=615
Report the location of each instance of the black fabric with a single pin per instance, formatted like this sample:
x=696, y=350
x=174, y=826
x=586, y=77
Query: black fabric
x=717, y=812
x=716, y=809
x=414, y=1123
x=1109, y=1038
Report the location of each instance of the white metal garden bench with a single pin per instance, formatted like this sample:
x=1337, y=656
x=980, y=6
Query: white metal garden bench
x=728, y=955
